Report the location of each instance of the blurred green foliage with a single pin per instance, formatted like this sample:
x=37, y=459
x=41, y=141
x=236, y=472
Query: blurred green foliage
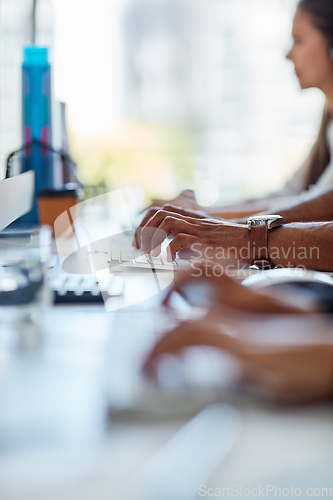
x=159, y=158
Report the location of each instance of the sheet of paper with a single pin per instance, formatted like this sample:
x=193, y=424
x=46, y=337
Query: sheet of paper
x=16, y=197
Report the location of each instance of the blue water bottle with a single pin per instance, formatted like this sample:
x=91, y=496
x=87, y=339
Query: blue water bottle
x=36, y=120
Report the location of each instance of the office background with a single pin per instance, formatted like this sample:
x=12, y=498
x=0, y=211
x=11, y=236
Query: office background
x=167, y=94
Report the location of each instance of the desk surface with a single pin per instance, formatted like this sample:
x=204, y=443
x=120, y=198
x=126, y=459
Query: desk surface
x=57, y=442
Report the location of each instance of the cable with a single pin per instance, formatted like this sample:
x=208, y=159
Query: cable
x=33, y=22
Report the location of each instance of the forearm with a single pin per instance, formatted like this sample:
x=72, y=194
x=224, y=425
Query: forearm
x=302, y=244
x=238, y=210
x=318, y=208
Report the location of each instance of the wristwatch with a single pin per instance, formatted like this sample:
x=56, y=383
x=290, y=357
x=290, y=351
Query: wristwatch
x=259, y=225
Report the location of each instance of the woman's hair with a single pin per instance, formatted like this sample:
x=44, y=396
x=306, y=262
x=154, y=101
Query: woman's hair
x=321, y=12
x=320, y=155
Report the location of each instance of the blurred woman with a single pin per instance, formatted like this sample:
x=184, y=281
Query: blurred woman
x=312, y=56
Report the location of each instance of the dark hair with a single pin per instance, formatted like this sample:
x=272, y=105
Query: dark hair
x=320, y=155
x=321, y=12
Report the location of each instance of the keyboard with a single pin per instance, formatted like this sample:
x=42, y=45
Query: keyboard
x=129, y=256
x=83, y=288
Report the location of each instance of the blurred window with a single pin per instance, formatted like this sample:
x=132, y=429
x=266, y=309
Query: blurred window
x=170, y=93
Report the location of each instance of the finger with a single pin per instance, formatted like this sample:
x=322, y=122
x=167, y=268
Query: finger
x=187, y=212
x=183, y=241
x=156, y=251
x=166, y=300
x=186, y=254
x=182, y=279
x=190, y=334
x=165, y=208
x=173, y=202
x=152, y=219
x=183, y=232
x=157, y=203
x=152, y=238
x=172, y=342
x=148, y=226
x=189, y=193
x=170, y=207
x=166, y=225
x=161, y=214
x=149, y=214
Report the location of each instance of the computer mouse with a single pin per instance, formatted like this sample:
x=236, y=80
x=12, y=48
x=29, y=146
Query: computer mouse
x=286, y=275
x=296, y=285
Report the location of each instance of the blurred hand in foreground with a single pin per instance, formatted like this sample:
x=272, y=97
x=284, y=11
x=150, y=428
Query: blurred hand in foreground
x=224, y=291
x=283, y=370
x=297, y=373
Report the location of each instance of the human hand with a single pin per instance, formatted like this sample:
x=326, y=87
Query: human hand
x=225, y=291
x=295, y=373
x=208, y=239
x=151, y=211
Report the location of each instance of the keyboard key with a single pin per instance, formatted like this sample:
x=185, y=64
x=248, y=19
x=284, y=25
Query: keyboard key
x=84, y=288
x=182, y=263
x=115, y=255
x=154, y=260
x=127, y=257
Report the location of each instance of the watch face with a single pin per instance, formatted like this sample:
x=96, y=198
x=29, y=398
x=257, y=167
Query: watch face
x=265, y=220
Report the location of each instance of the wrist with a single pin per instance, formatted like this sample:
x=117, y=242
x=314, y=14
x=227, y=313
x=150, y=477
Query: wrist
x=241, y=245
x=283, y=247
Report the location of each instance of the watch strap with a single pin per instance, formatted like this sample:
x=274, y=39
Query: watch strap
x=259, y=246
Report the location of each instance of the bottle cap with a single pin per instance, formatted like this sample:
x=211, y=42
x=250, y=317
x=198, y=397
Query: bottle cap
x=35, y=55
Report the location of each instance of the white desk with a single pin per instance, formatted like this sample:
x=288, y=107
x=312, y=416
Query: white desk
x=56, y=442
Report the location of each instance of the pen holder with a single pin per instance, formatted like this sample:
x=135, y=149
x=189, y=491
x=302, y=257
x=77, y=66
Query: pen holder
x=54, y=202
